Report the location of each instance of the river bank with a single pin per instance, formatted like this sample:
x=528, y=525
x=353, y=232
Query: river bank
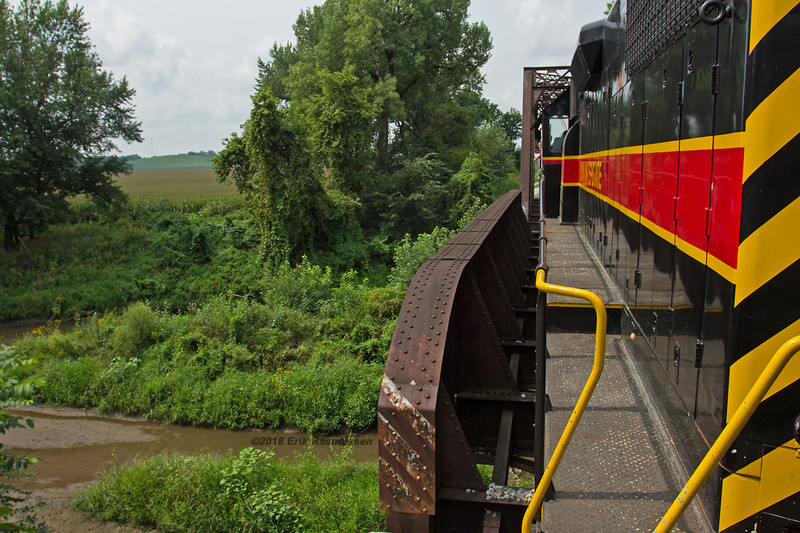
x=75, y=445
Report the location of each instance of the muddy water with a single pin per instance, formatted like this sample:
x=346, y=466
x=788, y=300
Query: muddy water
x=74, y=446
x=11, y=331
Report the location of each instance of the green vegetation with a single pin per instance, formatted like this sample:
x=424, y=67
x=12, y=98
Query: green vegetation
x=176, y=184
x=371, y=127
x=60, y=114
x=173, y=162
x=248, y=492
x=15, y=514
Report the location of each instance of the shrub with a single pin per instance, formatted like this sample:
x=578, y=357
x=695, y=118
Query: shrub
x=137, y=330
x=244, y=491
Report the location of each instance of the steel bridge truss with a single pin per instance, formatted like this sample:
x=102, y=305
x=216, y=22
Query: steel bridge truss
x=460, y=384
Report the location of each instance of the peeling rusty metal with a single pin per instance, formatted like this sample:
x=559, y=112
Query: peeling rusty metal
x=448, y=381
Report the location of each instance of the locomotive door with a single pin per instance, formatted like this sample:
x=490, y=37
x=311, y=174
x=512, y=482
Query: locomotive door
x=616, y=139
x=630, y=194
x=659, y=185
x=690, y=212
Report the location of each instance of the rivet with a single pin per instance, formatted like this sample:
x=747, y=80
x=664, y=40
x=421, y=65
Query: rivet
x=394, y=413
x=418, y=402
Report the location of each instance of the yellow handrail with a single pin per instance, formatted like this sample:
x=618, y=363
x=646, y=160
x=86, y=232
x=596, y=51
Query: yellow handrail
x=731, y=431
x=588, y=389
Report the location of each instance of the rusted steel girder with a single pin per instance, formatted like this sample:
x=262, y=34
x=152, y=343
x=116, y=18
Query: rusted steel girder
x=457, y=388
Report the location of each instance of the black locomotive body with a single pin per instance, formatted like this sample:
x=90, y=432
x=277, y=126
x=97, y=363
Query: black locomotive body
x=679, y=159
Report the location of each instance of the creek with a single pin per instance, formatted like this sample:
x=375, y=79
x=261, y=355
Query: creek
x=11, y=331
x=74, y=446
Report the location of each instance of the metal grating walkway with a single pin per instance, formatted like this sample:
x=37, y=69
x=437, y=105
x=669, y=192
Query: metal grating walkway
x=619, y=473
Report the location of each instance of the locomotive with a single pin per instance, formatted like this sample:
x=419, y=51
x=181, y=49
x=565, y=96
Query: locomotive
x=676, y=149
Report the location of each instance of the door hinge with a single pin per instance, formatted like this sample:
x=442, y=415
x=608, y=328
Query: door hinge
x=698, y=353
x=644, y=110
x=675, y=208
x=680, y=93
x=670, y=319
x=715, y=79
x=617, y=254
x=637, y=278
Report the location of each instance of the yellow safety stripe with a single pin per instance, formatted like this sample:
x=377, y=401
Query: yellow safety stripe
x=768, y=251
x=699, y=255
x=744, y=372
x=743, y=493
x=771, y=125
x=764, y=16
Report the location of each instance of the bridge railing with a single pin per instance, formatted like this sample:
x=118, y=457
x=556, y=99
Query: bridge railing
x=461, y=384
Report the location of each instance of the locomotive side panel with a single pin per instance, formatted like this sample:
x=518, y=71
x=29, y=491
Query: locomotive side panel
x=688, y=192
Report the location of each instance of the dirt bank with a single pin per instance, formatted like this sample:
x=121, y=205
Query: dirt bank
x=75, y=445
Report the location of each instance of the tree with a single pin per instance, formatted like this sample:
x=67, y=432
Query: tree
x=403, y=59
x=60, y=114
x=269, y=164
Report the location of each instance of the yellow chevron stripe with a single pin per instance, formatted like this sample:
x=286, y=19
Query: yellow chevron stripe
x=775, y=122
x=745, y=371
x=765, y=15
x=768, y=251
x=763, y=483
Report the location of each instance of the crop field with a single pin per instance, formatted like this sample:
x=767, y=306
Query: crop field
x=167, y=162
x=175, y=184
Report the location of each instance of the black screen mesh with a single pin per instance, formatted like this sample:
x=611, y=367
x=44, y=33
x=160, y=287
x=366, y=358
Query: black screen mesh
x=652, y=26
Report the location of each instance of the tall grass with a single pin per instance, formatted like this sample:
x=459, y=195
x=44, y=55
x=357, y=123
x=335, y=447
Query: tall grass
x=248, y=492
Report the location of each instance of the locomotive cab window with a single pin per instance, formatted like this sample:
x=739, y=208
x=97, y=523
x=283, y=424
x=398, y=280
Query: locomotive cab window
x=557, y=131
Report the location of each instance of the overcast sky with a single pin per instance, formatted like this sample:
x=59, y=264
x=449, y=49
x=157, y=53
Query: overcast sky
x=193, y=62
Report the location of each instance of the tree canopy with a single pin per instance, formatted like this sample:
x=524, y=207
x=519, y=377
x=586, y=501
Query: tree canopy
x=60, y=116
x=384, y=102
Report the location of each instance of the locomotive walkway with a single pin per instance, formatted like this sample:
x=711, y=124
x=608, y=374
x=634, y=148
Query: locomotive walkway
x=620, y=472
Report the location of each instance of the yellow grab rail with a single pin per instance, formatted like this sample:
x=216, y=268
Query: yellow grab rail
x=588, y=389
x=731, y=431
